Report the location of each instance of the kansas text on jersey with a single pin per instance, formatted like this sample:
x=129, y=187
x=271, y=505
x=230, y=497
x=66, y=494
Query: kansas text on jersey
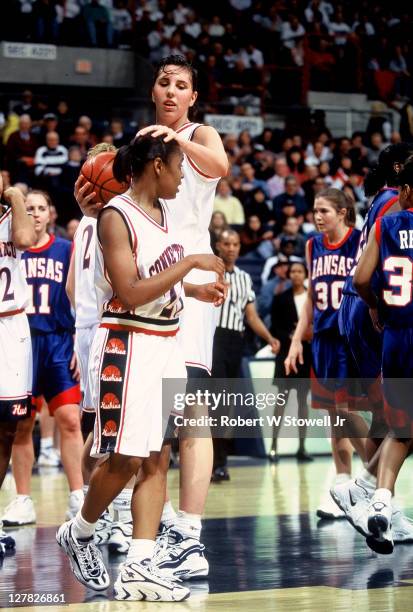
x=330, y=266
x=155, y=248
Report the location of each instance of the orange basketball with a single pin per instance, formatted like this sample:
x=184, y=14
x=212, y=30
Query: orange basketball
x=98, y=171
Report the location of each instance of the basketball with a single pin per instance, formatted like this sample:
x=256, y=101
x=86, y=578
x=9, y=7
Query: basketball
x=98, y=171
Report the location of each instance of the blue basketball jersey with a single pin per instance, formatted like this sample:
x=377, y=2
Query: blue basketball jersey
x=381, y=202
x=394, y=235
x=46, y=271
x=330, y=266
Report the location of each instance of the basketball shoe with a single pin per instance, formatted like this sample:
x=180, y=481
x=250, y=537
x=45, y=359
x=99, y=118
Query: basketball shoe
x=402, y=526
x=103, y=529
x=353, y=498
x=49, y=457
x=379, y=523
x=327, y=508
x=142, y=581
x=76, y=499
x=85, y=558
x=120, y=537
x=177, y=556
x=20, y=511
x=6, y=541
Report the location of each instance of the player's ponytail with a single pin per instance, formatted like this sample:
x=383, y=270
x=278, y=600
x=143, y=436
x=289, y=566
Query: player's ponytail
x=339, y=200
x=383, y=172
x=406, y=174
x=131, y=159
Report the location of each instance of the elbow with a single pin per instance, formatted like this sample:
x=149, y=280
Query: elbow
x=224, y=167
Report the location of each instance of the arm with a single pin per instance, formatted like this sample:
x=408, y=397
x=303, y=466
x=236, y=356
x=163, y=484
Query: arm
x=259, y=328
x=130, y=289
x=210, y=292
x=70, y=281
x=205, y=149
x=365, y=269
x=22, y=226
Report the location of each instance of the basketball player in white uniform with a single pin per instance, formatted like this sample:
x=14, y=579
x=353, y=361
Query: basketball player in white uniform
x=205, y=161
x=140, y=266
x=16, y=235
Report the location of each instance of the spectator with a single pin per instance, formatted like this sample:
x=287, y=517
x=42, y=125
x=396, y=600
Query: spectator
x=316, y=154
x=291, y=32
x=50, y=124
x=98, y=23
x=192, y=27
x=251, y=56
x=375, y=148
x=253, y=235
x=228, y=204
x=217, y=225
x=49, y=161
x=276, y=183
x=295, y=163
x=291, y=231
x=25, y=107
x=122, y=24
x=258, y=204
x=71, y=228
x=53, y=228
x=339, y=28
x=86, y=123
x=118, y=134
x=180, y=14
x=274, y=282
x=70, y=172
x=45, y=21
x=20, y=151
x=398, y=65
x=216, y=29
x=80, y=139
x=65, y=120
x=291, y=197
x=249, y=182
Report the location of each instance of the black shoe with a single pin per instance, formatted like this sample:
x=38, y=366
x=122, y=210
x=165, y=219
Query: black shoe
x=303, y=457
x=273, y=456
x=220, y=474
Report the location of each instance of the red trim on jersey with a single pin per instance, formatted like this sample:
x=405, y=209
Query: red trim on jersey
x=124, y=399
x=184, y=126
x=16, y=397
x=138, y=330
x=69, y=396
x=5, y=215
x=198, y=365
x=195, y=167
x=377, y=230
x=388, y=205
x=135, y=238
x=98, y=419
x=11, y=313
x=337, y=245
x=48, y=244
x=164, y=228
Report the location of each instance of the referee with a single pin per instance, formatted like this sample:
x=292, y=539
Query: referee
x=229, y=335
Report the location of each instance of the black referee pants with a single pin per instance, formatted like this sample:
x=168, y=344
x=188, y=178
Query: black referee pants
x=226, y=363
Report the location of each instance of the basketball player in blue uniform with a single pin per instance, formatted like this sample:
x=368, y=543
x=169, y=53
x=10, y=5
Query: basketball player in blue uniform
x=383, y=279
x=330, y=257
x=365, y=343
x=54, y=368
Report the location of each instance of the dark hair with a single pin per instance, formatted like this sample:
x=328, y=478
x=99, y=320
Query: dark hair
x=42, y=193
x=406, y=174
x=340, y=200
x=131, y=159
x=383, y=172
x=297, y=263
x=300, y=167
x=181, y=62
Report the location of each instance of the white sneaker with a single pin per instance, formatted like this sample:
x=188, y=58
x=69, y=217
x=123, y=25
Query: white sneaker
x=103, y=529
x=180, y=557
x=353, y=499
x=120, y=537
x=6, y=541
x=379, y=524
x=20, y=511
x=402, y=527
x=49, y=457
x=76, y=499
x=328, y=509
x=85, y=558
x=137, y=581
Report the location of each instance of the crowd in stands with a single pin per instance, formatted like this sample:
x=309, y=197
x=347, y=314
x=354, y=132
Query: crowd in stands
x=347, y=46
x=267, y=196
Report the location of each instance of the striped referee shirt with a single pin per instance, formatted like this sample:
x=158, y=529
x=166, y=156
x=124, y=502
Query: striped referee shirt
x=240, y=293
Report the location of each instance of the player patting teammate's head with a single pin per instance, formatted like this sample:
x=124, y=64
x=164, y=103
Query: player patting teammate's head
x=151, y=158
x=388, y=168
x=332, y=207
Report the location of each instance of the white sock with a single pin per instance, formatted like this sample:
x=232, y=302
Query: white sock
x=367, y=480
x=188, y=525
x=168, y=514
x=46, y=443
x=77, y=493
x=82, y=529
x=382, y=495
x=140, y=550
x=341, y=478
x=23, y=497
x=121, y=506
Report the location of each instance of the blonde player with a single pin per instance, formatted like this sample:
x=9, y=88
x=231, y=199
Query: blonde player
x=16, y=235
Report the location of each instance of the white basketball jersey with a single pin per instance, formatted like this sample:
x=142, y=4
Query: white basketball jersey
x=87, y=313
x=192, y=208
x=155, y=248
x=13, y=287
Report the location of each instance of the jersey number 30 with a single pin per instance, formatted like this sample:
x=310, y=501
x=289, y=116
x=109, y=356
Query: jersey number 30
x=328, y=294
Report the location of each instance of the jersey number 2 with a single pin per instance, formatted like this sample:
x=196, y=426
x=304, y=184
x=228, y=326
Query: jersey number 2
x=88, y=233
x=8, y=295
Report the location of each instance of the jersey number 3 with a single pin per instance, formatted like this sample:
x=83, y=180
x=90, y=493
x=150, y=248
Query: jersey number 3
x=401, y=281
